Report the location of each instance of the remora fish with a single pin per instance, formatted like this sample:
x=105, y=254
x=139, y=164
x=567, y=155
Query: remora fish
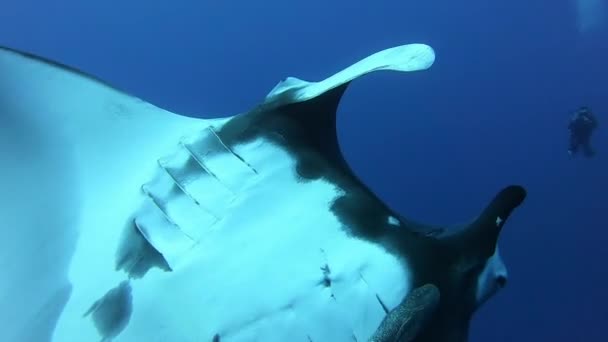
x=123, y=221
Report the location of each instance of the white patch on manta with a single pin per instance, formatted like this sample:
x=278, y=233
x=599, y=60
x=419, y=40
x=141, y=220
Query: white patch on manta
x=487, y=282
x=258, y=274
x=393, y=221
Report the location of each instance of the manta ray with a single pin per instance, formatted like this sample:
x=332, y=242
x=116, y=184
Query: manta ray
x=122, y=221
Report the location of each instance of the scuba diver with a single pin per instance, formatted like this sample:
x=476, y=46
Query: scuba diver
x=581, y=126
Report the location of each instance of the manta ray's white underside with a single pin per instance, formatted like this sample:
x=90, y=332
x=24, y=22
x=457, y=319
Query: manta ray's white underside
x=251, y=251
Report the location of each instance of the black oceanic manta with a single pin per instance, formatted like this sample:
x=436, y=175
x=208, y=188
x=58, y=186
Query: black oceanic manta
x=123, y=221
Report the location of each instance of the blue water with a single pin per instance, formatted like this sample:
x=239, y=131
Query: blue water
x=436, y=145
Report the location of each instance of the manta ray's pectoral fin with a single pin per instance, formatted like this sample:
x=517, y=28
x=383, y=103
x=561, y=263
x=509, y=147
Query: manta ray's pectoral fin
x=408, y=319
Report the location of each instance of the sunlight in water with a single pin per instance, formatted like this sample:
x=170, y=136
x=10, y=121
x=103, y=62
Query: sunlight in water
x=591, y=14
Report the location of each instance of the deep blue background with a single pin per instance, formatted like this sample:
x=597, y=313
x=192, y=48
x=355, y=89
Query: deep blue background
x=436, y=145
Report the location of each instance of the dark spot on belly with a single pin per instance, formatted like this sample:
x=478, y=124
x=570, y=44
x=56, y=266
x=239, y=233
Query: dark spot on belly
x=361, y=214
x=326, y=278
x=112, y=312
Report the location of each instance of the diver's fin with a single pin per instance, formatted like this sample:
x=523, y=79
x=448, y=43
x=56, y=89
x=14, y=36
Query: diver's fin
x=409, y=318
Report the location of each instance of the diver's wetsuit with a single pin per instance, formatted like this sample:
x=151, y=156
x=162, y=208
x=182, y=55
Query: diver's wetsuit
x=581, y=127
